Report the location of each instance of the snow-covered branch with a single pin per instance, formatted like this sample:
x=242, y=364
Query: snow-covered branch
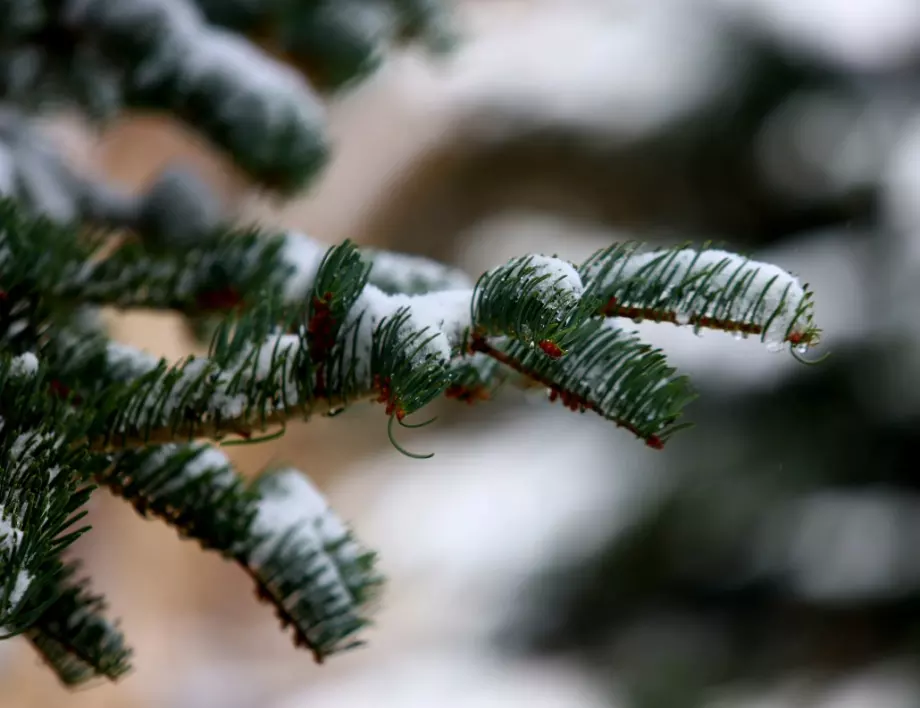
x=308, y=330
x=279, y=529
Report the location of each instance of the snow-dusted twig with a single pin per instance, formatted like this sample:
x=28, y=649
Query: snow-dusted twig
x=279, y=529
x=704, y=288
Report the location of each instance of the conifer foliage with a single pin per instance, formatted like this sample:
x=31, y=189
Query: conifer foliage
x=301, y=329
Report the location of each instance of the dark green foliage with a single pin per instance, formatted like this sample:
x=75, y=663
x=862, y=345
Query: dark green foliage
x=311, y=335
x=529, y=299
x=613, y=373
x=214, y=273
x=339, y=41
x=41, y=498
x=409, y=375
x=73, y=636
x=203, y=499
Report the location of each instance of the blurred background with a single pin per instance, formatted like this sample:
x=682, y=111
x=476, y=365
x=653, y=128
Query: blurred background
x=766, y=559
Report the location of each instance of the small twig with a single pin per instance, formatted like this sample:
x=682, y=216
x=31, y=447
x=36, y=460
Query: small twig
x=217, y=430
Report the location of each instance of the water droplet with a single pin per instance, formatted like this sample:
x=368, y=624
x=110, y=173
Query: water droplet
x=682, y=318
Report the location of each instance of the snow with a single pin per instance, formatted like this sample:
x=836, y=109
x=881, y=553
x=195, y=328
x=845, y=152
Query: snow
x=446, y=316
x=304, y=255
x=24, y=447
x=619, y=71
x=780, y=289
x=128, y=360
x=22, y=583
x=236, y=377
x=16, y=327
x=560, y=274
x=10, y=536
x=19, y=446
x=841, y=546
x=290, y=504
x=10, y=540
x=404, y=272
x=445, y=313
x=295, y=501
x=438, y=676
x=7, y=171
x=207, y=460
x=24, y=365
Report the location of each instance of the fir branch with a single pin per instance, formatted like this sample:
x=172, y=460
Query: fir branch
x=202, y=397
x=475, y=377
x=609, y=371
x=349, y=340
x=304, y=545
x=211, y=79
x=41, y=498
x=191, y=487
x=73, y=636
x=705, y=288
x=70, y=267
x=162, y=55
x=535, y=299
x=280, y=531
x=221, y=270
x=250, y=382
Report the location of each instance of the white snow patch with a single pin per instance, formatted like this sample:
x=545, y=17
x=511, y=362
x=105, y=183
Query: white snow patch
x=405, y=271
x=561, y=275
x=10, y=536
x=295, y=501
x=444, y=315
x=24, y=365
x=208, y=459
x=305, y=255
x=292, y=505
x=23, y=581
x=10, y=540
x=23, y=447
x=130, y=359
